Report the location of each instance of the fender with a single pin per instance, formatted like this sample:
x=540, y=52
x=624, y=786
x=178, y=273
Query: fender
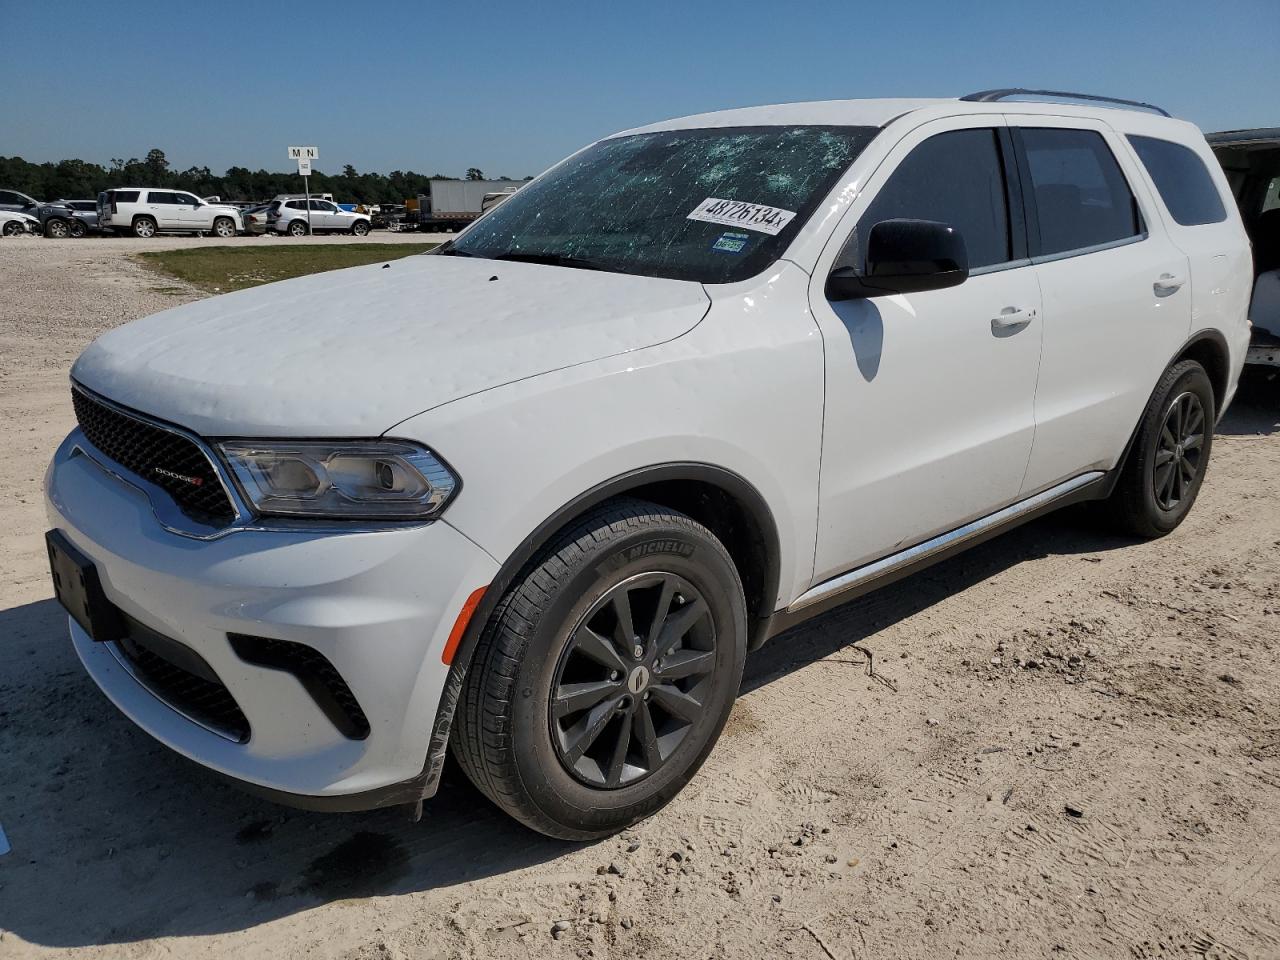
x=733, y=484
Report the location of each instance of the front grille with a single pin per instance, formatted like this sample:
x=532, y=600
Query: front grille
x=317, y=675
x=190, y=687
x=165, y=458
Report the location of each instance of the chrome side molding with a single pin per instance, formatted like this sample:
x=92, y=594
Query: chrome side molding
x=860, y=576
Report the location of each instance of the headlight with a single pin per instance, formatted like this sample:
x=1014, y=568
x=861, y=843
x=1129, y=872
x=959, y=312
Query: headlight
x=369, y=479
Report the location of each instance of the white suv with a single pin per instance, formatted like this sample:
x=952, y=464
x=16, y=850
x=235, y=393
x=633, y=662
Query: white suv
x=144, y=212
x=533, y=497
x=290, y=216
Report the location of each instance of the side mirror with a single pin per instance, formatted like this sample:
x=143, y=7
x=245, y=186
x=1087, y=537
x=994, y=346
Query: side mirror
x=902, y=256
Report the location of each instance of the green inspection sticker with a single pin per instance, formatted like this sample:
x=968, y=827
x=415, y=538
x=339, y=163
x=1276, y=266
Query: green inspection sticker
x=731, y=243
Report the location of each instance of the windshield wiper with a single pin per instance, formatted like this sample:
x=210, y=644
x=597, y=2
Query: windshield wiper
x=446, y=250
x=553, y=259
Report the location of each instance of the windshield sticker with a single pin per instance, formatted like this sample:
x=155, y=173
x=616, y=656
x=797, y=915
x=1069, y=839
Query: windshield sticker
x=735, y=213
x=731, y=243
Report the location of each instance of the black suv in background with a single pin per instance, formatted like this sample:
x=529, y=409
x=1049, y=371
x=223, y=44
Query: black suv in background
x=55, y=219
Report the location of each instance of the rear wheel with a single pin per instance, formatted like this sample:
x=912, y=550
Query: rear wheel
x=224, y=227
x=13, y=228
x=144, y=228
x=605, y=675
x=1170, y=454
x=298, y=228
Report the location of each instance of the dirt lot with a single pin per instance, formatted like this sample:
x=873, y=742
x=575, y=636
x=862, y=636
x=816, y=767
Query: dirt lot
x=1069, y=747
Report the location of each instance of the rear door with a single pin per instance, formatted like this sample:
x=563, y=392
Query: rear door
x=1193, y=204
x=928, y=420
x=1116, y=293
x=163, y=206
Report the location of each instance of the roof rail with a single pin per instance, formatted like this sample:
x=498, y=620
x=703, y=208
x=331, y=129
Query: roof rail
x=991, y=96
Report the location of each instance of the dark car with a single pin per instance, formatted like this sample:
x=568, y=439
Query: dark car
x=85, y=212
x=55, y=219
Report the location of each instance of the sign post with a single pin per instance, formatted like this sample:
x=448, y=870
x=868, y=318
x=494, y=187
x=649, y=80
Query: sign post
x=304, y=156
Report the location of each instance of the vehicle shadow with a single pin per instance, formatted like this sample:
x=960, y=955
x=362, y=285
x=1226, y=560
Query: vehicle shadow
x=115, y=839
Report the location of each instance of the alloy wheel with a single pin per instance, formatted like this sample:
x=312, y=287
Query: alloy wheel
x=633, y=680
x=1179, y=451
x=224, y=228
x=58, y=230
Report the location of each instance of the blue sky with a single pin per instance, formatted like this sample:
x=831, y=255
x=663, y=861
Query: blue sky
x=512, y=87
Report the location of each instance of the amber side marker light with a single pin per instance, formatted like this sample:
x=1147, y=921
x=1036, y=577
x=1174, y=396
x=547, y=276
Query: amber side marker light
x=460, y=625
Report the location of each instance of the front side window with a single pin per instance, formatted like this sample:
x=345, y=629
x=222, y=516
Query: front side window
x=711, y=205
x=1081, y=196
x=1182, y=179
x=956, y=178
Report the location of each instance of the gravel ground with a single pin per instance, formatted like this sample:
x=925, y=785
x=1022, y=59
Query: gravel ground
x=1066, y=745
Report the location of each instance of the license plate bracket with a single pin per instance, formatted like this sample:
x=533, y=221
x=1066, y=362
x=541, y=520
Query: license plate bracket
x=79, y=590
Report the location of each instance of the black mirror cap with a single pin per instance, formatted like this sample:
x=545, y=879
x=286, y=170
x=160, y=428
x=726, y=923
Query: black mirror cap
x=904, y=256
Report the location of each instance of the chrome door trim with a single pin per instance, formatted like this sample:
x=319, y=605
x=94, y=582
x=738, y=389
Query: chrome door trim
x=878, y=568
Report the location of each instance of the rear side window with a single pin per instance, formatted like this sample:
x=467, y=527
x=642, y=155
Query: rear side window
x=1081, y=196
x=296, y=205
x=158, y=196
x=123, y=196
x=1185, y=185
x=956, y=178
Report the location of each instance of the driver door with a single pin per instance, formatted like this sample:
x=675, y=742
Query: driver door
x=929, y=396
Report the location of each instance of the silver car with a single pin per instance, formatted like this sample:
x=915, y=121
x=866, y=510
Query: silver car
x=290, y=216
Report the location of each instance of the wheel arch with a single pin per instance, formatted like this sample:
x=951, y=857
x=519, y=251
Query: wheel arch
x=1209, y=349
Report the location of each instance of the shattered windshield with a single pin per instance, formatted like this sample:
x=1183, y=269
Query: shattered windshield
x=712, y=205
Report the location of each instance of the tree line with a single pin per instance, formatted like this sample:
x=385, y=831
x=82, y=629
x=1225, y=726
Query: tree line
x=81, y=180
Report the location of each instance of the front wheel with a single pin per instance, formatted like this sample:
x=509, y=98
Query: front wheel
x=360, y=228
x=57, y=229
x=77, y=229
x=606, y=673
x=224, y=227
x=1170, y=454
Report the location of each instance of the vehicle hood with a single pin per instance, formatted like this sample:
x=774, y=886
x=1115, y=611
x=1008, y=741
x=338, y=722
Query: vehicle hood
x=17, y=215
x=353, y=352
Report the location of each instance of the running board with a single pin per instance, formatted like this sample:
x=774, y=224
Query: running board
x=861, y=579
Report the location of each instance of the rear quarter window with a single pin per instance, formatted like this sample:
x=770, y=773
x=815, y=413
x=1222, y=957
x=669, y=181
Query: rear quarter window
x=1184, y=183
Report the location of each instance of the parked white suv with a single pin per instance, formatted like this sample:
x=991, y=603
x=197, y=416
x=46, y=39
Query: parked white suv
x=533, y=497
x=146, y=211
x=290, y=216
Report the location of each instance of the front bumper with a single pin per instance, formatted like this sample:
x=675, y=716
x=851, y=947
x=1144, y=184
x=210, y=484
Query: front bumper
x=377, y=604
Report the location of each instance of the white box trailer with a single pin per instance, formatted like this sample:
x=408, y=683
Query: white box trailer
x=457, y=202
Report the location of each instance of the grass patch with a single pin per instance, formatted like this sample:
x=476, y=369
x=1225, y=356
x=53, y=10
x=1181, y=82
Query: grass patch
x=223, y=269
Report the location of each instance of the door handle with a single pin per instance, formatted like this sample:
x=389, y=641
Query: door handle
x=1168, y=284
x=1011, y=318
